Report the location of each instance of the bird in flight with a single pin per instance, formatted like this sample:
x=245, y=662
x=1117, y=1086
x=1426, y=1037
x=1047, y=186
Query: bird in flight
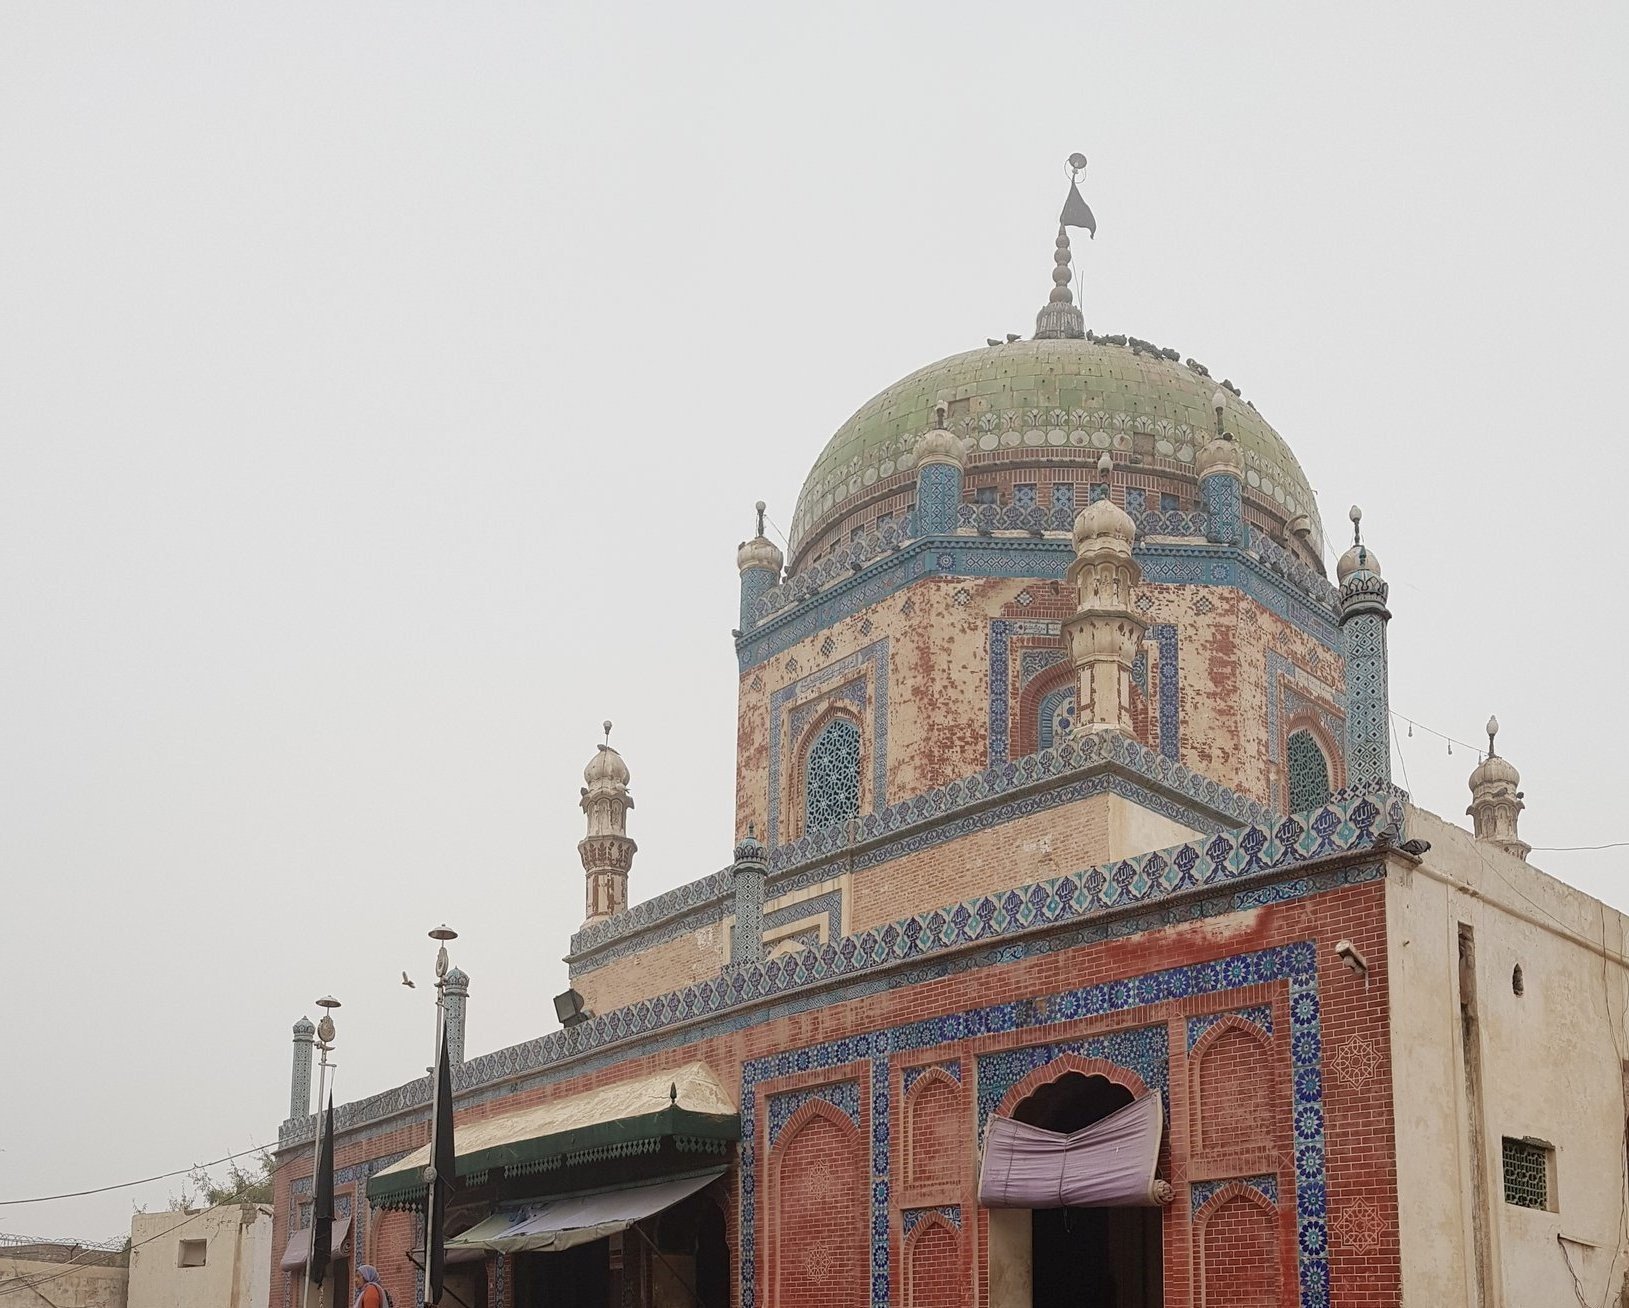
x=407, y=981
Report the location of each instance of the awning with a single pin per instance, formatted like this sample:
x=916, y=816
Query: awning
x=1109, y=1164
x=299, y=1244
x=634, y=1117
x=562, y=1223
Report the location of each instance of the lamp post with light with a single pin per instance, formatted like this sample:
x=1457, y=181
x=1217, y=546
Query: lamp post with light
x=326, y=1039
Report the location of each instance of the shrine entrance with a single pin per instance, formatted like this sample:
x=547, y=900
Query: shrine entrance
x=1090, y=1257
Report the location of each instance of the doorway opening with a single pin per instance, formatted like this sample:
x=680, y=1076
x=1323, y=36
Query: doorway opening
x=1090, y=1257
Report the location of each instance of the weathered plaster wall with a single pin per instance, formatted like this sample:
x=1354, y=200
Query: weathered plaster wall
x=1552, y=1068
x=237, y=1264
x=60, y=1282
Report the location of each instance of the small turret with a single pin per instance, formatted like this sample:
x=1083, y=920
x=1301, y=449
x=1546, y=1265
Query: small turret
x=606, y=850
x=1106, y=633
x=759, y=562
x=1496, y=803
x=747, y=875
x=299, y=1099
x=939, y=458
x=1363, y=616
x=1221, y=480
x=455, y=1002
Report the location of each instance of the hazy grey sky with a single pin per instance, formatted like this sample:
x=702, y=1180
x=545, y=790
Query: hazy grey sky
x=384, y=389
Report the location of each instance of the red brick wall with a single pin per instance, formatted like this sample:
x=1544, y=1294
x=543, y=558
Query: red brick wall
x=1356, y=1085
x=934, y=1266
x=821, y=1251
x=1243, y=1253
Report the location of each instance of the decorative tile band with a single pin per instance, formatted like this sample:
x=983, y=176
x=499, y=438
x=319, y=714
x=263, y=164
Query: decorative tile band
x=1261, y=1016
x=1355, y=819
x=1202, y=1192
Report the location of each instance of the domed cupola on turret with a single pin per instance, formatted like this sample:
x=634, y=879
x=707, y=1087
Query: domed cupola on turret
x=1496, y=801
x=606, y=851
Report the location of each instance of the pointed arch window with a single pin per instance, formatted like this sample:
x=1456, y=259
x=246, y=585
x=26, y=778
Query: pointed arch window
x=1308, y=772
x=831, y=776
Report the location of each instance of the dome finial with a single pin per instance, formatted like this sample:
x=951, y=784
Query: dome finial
x=760, y=506
x=1493, y=730
x=1060, y=318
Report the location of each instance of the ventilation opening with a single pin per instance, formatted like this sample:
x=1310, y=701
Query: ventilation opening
x=191, y=1253
x=1517, y=986
x=1529, y=1167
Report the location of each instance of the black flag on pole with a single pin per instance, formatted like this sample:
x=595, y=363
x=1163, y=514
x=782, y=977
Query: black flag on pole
x=322, y=1202
x=1076, y=212
x=443, y=1166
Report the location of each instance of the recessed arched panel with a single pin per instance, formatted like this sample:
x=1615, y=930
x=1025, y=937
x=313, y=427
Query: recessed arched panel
x=1239, y=1253
x=936, y=1148
x=1233, y=1088
x=822, y=1253
x=933, y=1271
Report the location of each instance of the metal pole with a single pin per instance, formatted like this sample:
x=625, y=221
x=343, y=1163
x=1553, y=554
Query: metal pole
x=316, y=1154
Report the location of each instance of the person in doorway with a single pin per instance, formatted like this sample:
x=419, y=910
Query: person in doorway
x=373, y=1293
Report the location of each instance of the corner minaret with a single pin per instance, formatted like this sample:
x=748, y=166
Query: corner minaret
x=455, y=1004
x=759, y=561
x=747, y=893
x=299, y=1098
x=1495, y=801
x=1106, y=633
x=606, y=851
x=1363, y=639
x=1060, y=318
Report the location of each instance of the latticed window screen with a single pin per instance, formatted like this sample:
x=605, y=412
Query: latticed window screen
x=1309, y=773
x=1170, y=503
x=1527, y=1174
x=1057, y=717
x=1063, y=494
x=1023, y=495
x=831, y=778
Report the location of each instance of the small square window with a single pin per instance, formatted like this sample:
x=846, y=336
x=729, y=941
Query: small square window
x=1023, y=495
x=984, y=495
x=1529, y=1174
x=1063, y=494
x=1136, y=500
x=191, y=1253
x=1170, y=503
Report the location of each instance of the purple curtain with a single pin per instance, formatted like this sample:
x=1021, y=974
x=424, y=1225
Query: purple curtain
x=1109, y=1164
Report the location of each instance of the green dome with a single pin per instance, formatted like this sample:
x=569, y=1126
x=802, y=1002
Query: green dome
x=1046, y=402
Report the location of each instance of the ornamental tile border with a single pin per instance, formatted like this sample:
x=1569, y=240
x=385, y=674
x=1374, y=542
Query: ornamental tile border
x=1202, y=1192
x=1260, y=1016
x=950, y=1067
x=844, y=1096
x=911, y=1218
x=1295, y=964
x=1188, y=561
x=1355, y=819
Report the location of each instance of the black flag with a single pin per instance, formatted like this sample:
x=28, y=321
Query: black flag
x=443, y=1165
x=322, y=1205
x=1076, y=213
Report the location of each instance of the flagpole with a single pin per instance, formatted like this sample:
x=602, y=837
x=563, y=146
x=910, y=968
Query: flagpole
x=325, y=1042
x=435, y=1184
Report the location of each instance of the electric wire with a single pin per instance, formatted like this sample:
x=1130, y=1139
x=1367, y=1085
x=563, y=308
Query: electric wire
x=146, y=1180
